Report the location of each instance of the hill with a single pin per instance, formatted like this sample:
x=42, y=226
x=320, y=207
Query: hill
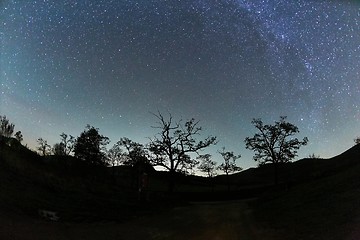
x=324, y=206
x=314, y=196
x=64, y=185
x=290, y=174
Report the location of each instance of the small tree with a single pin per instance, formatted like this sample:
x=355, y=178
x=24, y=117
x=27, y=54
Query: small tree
x=114, y=155
x=66, y=145
x=59, y=149
x=67, y=142
x=133, y=152
x=314, y=156
x=229, y=164
x=6, y=128
x=357, y=140
x=44, y=147
x=136, y=156
x=18, y=136
x=172, y=146
x=207, y=165
x=274, y=144
x=90, y=146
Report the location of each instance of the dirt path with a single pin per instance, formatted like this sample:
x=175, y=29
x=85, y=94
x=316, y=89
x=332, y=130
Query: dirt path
x=210, y=221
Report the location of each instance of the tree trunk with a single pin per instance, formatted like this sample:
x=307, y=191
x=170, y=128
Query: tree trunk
x=171, y=186
x=228, y=182
x=276, y=173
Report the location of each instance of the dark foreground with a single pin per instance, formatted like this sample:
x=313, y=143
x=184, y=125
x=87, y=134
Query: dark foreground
x=221, y=220
x=322, y=201
x=211, y=220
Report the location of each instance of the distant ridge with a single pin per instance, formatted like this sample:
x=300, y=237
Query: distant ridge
x=302, y=170
x=351, y=154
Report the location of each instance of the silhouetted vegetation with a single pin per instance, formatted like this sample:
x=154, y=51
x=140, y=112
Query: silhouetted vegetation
x=133, y=153
x=314, y=156
x=65, y=146
x=320, y=193
x=274, y=144
x=207, y=165
x=357, y=140
x=6, y=128
x=90, y=146
x=62, y=176
x=114, y=156
x=172, y=147
x=229, y=164
x=18, y=136
x=44, y=148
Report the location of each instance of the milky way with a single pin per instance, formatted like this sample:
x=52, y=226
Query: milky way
x=65, y=64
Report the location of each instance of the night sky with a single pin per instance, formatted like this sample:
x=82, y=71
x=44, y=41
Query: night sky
x=65, y=64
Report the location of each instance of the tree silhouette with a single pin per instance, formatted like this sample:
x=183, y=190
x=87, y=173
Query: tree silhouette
x=44, y=147
x=6, y=128
x=133, y=152
x=229, y=164
x=314, y=156
x=172, y=146
x=59, y=149
x=66, y=145
x=114, y=155
x=135, y=155
x=357, y=140
x=207, y=165
x=18, y=136
x=274, y=143
x=90, y=146
x=67, y=142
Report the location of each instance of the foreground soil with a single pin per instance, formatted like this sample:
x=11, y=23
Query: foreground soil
x=210, y=220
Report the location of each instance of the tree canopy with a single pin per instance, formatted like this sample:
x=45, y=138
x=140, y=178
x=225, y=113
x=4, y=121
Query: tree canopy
x=274, y=143
x=44, y=147
x=207, y=165
x=172, y=146
x=6, y=128
x=133, y=152
x=90, y=146
x=229, y=164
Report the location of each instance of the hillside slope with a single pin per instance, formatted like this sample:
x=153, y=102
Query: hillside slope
x=325, y=207
x=30, y=183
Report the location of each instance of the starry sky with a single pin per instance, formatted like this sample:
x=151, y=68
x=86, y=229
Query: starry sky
x=65, y=64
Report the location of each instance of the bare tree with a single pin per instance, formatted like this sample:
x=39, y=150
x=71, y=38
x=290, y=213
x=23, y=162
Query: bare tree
x=207, y=165
x=274, y=144
x=67, y=142
x=172, y=147
x=229, y=164
x=44, y=147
